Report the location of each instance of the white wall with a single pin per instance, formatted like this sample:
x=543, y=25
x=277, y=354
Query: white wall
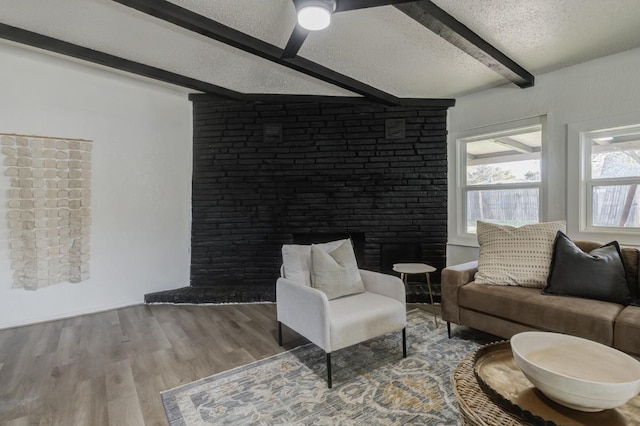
x=141, y=183
x=605, y=87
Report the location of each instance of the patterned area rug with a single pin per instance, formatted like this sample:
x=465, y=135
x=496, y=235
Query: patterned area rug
x=372, y=384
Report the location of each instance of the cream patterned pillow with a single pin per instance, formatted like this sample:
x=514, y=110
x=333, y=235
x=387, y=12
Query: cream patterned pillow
x=516, y=256
x=335, y=273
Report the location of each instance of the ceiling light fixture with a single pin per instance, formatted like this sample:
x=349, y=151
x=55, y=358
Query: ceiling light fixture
x=314, y=15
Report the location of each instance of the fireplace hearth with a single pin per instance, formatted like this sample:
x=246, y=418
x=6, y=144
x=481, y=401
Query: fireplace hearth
x=219, y=295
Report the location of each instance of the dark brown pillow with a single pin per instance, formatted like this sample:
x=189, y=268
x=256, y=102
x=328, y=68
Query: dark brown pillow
x=598, y=274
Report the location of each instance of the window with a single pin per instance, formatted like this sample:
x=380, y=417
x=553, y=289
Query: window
x=500, y=176
x=611, y=175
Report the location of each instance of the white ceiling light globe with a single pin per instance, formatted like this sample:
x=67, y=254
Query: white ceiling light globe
x=314, y=18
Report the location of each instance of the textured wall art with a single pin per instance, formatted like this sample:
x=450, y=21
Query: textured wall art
x=49, y=209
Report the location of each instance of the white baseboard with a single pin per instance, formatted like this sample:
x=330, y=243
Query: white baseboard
x=68, y=314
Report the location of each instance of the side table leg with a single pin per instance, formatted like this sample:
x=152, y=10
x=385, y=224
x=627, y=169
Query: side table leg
x=433, y=306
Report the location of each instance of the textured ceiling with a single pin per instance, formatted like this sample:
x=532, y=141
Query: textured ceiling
x=381, y=46
x=118, y=30
x=546, y=35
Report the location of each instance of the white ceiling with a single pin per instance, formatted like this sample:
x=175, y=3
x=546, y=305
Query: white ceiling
x=381, y=46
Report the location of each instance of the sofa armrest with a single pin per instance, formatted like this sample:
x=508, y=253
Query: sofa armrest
x=303, y=309
x=384, y=284
x=454, y=277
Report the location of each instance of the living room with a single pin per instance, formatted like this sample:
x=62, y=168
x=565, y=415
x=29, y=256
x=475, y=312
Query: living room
x=144, y=138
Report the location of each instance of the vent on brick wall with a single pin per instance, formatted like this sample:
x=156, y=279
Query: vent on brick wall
x=272, y=132
x=394, y=128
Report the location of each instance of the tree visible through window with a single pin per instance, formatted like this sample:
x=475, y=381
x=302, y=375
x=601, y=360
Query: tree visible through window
x=502, y=177
x=613, y=157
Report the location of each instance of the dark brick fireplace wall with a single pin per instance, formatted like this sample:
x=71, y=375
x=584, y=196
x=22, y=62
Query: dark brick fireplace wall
x=332, y=170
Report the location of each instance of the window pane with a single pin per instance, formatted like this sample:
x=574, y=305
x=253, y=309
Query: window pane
x=514, y=171
x=505, y=159
x=616, y=206
x=514, y=207
x=615, y=157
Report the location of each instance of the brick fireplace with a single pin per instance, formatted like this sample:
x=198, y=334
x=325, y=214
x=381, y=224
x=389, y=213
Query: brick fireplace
x=266, y=173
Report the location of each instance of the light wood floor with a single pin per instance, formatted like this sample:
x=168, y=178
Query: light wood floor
x=109, y=368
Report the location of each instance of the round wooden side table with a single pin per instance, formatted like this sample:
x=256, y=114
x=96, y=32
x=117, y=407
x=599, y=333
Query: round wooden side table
x=406, y=269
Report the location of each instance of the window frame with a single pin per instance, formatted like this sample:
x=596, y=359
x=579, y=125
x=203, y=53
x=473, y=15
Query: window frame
x=585, y=134
x=461, y=188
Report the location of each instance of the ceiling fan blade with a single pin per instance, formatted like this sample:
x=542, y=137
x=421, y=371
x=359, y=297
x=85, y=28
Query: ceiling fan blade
x=344, y=5
x=298, y=36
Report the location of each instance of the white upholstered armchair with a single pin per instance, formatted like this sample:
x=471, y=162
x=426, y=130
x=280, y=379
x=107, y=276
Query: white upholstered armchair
x=332, y=321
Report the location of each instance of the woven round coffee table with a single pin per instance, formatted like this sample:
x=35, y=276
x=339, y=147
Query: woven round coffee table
x=489, y=387
x=476, y=408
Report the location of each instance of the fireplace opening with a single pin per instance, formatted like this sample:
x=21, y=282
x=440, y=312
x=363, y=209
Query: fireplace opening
x=357, y=239
x=391, y=253
x=403, y=252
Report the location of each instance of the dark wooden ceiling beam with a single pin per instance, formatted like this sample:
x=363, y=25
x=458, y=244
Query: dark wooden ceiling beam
x=192, y=21
x=40, y=41
x=298, y=36
x=29, y=38
x=456, y=33
x=202, y=25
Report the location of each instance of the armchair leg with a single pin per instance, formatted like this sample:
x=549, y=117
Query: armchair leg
x=329, y=370
x=279, y=333
x=404, y=342
x=449, y=329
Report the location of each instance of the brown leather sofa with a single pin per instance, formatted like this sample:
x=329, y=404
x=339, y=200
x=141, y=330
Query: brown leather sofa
x=506, y=310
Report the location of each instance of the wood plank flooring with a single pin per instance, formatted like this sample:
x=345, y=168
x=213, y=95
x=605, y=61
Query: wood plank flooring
x=109, y=368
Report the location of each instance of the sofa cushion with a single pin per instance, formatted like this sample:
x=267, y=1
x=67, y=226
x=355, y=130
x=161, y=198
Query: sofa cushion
x=335, y=272
x=631, y=261
x=516, y=256
x=591, y=319
x=598, y=274
x=626, y=333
